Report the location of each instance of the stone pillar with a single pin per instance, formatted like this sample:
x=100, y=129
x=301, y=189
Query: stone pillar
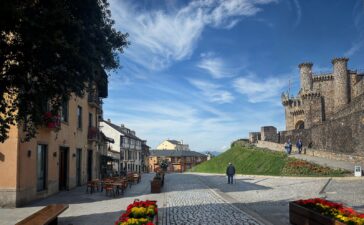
x=306, y=76
x=341, y=83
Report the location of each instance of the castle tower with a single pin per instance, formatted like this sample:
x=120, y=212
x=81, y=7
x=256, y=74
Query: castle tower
x=341, y=82
x=306, y=76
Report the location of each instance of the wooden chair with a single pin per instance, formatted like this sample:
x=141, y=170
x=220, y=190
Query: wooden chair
x=136, y=177
x=46, y=216
x=109, y=189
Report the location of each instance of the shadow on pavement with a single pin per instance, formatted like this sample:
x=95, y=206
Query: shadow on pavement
x=108, y=218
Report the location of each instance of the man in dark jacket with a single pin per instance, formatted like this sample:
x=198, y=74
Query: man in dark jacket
x=230, y=172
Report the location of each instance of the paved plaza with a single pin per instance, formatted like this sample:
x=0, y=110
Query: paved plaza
x=202, y=199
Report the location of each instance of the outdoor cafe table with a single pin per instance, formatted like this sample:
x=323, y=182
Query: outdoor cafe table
x=118, y=186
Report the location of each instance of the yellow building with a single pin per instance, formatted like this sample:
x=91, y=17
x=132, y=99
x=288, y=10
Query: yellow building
x=53, y=161
x=173, y=145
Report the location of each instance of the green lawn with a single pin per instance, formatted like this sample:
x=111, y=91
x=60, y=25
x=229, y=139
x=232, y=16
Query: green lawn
x=251, y=160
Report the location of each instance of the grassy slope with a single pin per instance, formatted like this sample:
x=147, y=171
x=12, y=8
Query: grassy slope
x=251, y=160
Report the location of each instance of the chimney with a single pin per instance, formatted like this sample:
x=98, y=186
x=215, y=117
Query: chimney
x=121, y=125
x=108, y=120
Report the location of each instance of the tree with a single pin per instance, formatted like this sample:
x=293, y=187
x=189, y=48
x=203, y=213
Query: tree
x=52, y=48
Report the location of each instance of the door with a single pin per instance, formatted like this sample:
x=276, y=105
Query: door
x=78, y=166
x=89, y=165
x=41, y=167
x=63, y=168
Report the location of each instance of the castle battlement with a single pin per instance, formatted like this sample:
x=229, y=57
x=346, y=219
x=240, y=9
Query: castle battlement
x=323, y=77
x=322, y=95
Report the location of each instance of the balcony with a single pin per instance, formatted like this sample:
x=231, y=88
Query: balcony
x=93, y=99
x=93, y=134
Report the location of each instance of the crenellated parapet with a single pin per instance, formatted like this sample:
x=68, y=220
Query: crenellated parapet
x=310, y=95
x=325, y=77
x=290, y=101
x=305, y=64
x=297, y=112
x=339, y=59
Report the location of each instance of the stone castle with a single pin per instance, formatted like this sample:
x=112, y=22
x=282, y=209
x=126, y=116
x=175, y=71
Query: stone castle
x=322, y=97
x=327, y=113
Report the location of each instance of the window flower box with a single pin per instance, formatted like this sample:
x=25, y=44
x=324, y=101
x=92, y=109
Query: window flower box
x=52, y=121
x=322, y=212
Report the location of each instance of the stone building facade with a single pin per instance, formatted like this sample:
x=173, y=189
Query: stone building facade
x=322, y=97
x=328, y=112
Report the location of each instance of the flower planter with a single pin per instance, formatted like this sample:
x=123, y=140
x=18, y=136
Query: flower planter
x=140, y=212
x=299, y=215
x=155, y=186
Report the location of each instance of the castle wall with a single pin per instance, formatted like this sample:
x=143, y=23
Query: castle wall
x=356, y=105
x=357, y=85
x=312, y=152
x=344, y=135
x=269, y=133
x=313, y=111
x=289, y=119
x=254, y=137
x=326, y=88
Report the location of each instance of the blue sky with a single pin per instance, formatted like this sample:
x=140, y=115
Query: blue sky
x=209, y=71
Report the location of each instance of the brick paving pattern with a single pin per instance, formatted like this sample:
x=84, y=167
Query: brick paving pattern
x=189, y=201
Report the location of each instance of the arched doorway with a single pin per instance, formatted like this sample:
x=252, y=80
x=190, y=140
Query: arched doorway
x=300, y=125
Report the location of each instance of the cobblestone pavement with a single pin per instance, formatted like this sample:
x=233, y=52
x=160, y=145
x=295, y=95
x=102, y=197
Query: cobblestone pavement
x=202, y=199
x=95, y=209
x=190, y=201
x=268, y=197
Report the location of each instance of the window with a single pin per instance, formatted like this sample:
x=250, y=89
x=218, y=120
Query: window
x=64, y=112
x=41, y=167
x=44, y=105
x=90, y=120
x=79, y=117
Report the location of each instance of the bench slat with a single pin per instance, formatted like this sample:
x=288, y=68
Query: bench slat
x=45, y=215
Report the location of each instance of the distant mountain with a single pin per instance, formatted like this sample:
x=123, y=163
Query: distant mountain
x=215, y=153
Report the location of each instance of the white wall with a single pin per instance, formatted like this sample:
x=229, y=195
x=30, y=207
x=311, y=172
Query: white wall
x=111, y=133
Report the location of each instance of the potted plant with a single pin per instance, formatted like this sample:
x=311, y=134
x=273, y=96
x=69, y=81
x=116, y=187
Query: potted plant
x=164, y=165
x=156, y=184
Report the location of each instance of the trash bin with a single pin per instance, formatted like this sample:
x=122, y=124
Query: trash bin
x=357, y=171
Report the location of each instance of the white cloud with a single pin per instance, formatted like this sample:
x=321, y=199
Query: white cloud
x=213, y=91
x=298, y=11
x=257, y=90
x=358, y=19
x=215, y=66
x=159, y=37
x=355, y=47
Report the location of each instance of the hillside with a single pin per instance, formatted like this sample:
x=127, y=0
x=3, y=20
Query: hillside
x=251, y=160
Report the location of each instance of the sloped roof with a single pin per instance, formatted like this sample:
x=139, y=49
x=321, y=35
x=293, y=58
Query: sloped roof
x=174, y=153
x=174, y=142
x=111, y=140
x=116, y=127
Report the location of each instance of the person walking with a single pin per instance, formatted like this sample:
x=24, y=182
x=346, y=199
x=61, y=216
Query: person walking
x=230, y=172
x=299, y=145
x=288, y=146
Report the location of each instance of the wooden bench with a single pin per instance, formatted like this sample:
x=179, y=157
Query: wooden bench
x=46, y=216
